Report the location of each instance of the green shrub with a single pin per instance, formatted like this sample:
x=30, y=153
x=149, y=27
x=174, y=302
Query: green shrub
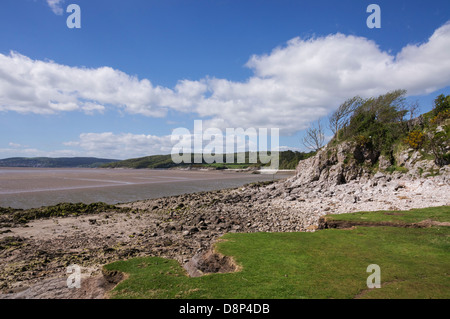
x=441, y=104
x=362, y=140
x=439, y=143
x=440, y=117
x=378, y=122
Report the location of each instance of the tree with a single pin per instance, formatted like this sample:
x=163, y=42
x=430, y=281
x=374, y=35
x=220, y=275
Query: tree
x=314, y=138
x=379, y=120
x=441, y=103
x=387, y=108
x=340, y=118
x=413, y=110
x=439, y=143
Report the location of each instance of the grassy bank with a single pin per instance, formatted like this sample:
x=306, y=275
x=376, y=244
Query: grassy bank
x=329, y=263
x=438, y=214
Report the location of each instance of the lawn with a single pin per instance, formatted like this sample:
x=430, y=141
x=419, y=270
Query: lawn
x=331, y=263
x=439, y=214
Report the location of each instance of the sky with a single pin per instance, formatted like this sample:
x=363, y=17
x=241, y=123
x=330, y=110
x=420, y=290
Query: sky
x=136, y=70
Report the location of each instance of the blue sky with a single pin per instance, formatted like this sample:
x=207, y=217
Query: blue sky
x=138, y=69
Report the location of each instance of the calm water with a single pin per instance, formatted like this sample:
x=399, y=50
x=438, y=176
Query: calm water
x=33, y=187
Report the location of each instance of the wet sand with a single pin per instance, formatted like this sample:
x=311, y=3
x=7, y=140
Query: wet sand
x=35, y=187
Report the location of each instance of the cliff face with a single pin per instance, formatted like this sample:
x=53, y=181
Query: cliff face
x=346, y=162
x=334, y=165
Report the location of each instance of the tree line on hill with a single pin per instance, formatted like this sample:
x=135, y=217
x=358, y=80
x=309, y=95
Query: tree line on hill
x=287, y=160
x=47, y=162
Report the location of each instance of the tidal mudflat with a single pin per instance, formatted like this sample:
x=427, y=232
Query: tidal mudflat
x=35, y=187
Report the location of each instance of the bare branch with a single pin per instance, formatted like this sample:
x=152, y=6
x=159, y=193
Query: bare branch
x=314, y=138
x=413, y=110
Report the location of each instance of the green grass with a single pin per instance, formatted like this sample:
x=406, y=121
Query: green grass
x=439, y=214
x=395, y=168
x=326, y=264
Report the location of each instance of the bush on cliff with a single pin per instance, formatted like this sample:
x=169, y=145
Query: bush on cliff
x=379, y=125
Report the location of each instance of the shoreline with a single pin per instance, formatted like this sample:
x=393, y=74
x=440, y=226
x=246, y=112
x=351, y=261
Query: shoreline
x=32, y=188
x=183, y=226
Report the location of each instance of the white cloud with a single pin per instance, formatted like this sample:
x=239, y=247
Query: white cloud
x=291, y=86
x=91, y=108
x=121, y=146
x=29, y=86
x=307, y=79
x=127, y=145
x=56, y=6
x=104, y=145
x=14, y=145
x=25, y=151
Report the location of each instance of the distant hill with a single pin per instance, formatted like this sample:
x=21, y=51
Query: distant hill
x=47, y=162
x=288, y=160
x=155, y=161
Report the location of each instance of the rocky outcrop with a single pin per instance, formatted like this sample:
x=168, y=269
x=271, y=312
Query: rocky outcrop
x=346, y=162
x=335, y=165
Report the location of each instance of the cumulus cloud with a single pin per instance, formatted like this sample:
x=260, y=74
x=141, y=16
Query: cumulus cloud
x=308, y=78
x=121, y=146
x=211, y=141
x=56, y=6
x=103, y=145
x=29, y=86
x=291, y=86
